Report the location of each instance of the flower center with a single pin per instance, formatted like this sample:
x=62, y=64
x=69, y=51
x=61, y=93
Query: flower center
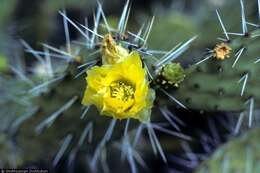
x=122, y=90
x=222, y=51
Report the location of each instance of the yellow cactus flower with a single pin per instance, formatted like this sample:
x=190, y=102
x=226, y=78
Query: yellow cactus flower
x=222, y=51
x=112, y=52
x=120, y=90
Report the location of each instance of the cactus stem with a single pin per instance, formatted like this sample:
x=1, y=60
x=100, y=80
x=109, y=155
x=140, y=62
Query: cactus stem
x=238, y=55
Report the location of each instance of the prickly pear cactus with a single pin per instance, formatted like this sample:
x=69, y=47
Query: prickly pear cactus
x=224, y=84
x=225, y=79
x=92, y=99
x=240, y=154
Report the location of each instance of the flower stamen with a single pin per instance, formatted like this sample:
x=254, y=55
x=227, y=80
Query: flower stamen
x=122, y=90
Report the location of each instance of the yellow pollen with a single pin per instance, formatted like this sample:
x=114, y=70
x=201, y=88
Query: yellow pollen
x=222, y=51
x=122, y=91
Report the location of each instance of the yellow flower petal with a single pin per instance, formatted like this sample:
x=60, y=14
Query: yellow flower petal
x=120, y=90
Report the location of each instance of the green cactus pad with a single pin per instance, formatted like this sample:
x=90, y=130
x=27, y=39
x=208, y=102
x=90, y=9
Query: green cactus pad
x=3, y=63
x=213, y=85
x=241, y=154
